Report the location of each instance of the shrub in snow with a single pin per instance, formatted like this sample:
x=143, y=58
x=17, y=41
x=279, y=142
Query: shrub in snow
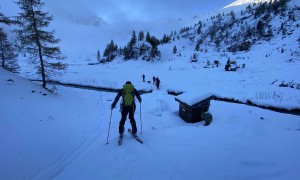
x=217, y=63
x=194, y=58
x=232, y=66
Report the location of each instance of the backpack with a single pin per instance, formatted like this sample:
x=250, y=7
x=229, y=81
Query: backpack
x=128, y=94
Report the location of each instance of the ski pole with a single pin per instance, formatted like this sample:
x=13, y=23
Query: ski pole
x=141, y=118
x=109, y=127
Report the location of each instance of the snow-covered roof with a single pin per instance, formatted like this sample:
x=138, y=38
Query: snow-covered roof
x=191, y=98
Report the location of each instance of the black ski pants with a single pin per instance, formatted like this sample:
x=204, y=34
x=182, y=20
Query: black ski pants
x=125, y=111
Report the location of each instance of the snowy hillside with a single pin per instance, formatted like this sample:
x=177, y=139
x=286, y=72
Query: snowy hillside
x=245, y=2
x=239, y=30
x=63, y=135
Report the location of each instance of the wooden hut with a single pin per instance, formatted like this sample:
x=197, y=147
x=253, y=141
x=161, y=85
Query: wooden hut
x=191, y=108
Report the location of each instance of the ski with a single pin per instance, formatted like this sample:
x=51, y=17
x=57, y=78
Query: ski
x=135, y=136
x=120, y=140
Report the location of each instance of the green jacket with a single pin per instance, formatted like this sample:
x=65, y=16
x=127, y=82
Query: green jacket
x=121, y=93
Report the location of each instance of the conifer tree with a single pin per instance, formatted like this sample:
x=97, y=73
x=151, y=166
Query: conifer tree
x=233, y=18
x=197, y=48
x=260, y=28
x=130, y=51
x=260, y=9
x=148, y=37
x=283, y=4
x=36, y=40
x=7, y=50
x=199, y=29
x=98, y=56
x=141, y=36
x=110, y=51
x=133, y=39
x=174, y=49
x=249, y=8
x=154, y=50
x=8, y=55
x=164, y=39
x=154, y=41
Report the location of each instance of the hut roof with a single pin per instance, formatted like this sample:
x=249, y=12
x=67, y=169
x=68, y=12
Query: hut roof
x=192, y=98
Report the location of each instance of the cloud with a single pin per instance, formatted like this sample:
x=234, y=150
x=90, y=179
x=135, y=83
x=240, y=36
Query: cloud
x=75, y=11
x=121, y=17
x=85, y=26
x=114, y=11
x=98, y=12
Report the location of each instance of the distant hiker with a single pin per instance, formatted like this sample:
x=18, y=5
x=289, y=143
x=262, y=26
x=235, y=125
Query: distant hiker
x=128, y=92
x=157, y=82
x=153, y=79
x=143, y=76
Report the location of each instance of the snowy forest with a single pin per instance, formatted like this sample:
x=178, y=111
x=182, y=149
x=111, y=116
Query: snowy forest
x=254, y=24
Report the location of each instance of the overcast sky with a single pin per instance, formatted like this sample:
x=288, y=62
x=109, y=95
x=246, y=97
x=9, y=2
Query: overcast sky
x=113, y=11
x=96, y=22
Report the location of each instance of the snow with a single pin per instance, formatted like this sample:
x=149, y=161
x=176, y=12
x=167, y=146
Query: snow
x=246, y=2
x=63, y=135
x=190, y=98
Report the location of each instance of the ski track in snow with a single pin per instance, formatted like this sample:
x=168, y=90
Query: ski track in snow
x=68, y=157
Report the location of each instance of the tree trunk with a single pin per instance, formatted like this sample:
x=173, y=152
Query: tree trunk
x=42, y=64
x=39, y=49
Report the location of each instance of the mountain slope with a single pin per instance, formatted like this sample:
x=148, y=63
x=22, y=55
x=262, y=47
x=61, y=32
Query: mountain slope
x=245, y=2
x=236, y=31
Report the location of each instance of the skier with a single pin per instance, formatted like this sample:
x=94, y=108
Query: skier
x=153, y=79
x=157, y=82
x=128, y=92
x=143, y=76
